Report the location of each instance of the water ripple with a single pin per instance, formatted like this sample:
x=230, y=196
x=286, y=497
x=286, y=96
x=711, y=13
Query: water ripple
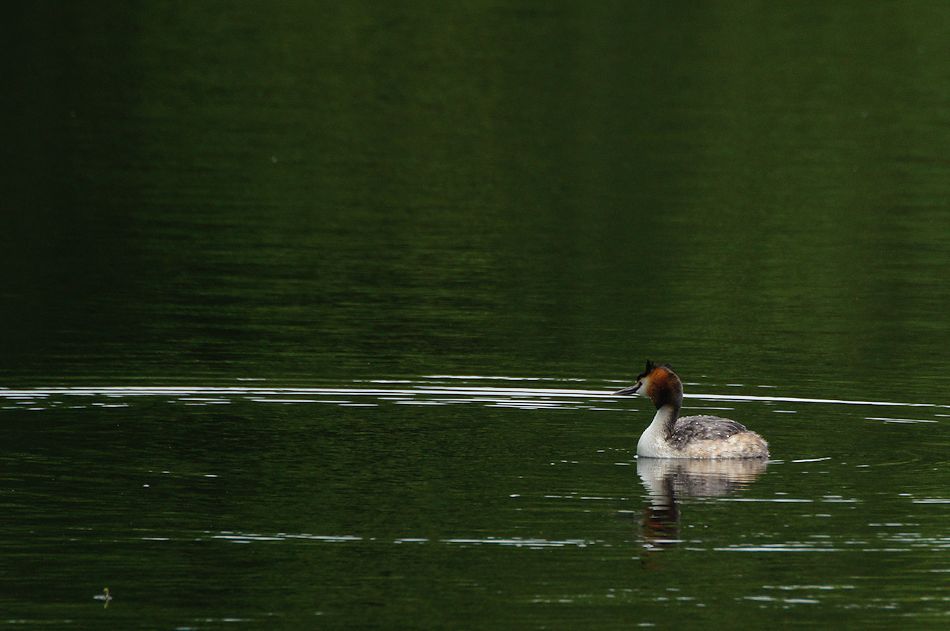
x=404, y=392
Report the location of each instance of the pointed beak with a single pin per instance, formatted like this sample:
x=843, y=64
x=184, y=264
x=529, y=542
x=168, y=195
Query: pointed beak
x=628, y=390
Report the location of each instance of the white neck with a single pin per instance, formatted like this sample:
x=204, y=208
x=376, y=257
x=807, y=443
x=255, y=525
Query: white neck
x=652, y=441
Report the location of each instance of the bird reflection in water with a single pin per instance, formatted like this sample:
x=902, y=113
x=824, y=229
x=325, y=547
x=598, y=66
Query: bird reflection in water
x=670, y=480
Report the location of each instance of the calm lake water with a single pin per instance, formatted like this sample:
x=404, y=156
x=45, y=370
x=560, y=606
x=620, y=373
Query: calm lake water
x=312, y=313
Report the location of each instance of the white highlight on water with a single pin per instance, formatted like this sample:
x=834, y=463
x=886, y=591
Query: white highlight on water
x=421, y=393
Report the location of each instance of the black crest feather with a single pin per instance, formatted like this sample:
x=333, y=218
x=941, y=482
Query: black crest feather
x=650, y=367
x=646, y=371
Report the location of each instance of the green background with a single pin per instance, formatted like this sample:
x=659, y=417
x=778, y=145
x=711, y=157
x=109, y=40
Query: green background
x=315, y=193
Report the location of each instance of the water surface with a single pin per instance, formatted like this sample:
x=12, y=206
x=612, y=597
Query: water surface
x=311, y=314
x=461, y=501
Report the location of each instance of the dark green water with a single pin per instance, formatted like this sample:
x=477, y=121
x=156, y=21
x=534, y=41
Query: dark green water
x=311, y=311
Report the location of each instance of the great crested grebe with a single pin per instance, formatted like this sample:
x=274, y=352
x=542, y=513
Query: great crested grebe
x=673, y=436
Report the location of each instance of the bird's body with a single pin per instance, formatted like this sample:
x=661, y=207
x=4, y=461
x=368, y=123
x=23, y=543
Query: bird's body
x=672, y=436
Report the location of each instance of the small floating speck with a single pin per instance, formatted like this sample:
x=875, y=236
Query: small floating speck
x=813, y=459
x=105, y=596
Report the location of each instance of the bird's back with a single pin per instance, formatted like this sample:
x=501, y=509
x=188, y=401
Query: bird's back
x=687, y=429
